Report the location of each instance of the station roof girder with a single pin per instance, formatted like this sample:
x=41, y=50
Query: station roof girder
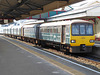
x=18, y=8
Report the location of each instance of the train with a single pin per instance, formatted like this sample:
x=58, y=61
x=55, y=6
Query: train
x=71, y=36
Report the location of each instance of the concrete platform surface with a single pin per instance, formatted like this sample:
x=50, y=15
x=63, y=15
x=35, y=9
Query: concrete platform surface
x=15, y=61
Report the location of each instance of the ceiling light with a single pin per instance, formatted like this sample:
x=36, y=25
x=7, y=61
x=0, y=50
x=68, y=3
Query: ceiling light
x=19, y=1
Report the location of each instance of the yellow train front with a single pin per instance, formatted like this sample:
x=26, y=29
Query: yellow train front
x=81, y=37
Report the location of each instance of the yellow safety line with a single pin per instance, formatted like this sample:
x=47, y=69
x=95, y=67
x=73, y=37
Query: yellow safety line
x=57, y=64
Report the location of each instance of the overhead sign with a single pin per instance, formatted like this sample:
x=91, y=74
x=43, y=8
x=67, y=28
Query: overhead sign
x=5, y=20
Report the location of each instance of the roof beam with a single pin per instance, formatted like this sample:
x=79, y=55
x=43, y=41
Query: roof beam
x=4, y=5
x=7, y=17
x=60, y=0
x=14, y=14
x=34, y=5
x=22, y=9
x=24, y=16
x=8, y=2
x=16, y=6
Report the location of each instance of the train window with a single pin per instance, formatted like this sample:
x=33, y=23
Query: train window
x=45, y=30
x=75, y=29
x=55, y=30
x=41, y=29
x=59, y=29
x=82, y=29
x=67, y=30
x=89, y=29
x=50, y=29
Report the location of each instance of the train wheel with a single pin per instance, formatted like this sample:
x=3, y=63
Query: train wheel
x=67, y=52
x=42, y=43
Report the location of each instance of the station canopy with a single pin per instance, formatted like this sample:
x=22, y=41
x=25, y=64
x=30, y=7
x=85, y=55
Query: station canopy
x=90, y=10
x=11, y=9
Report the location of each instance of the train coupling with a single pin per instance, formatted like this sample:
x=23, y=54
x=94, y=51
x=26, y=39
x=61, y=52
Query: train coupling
x=83, y=47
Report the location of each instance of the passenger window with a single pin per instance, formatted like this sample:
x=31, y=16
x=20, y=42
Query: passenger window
x=67, y=30
x=59, y=29
x=50, y=29
x=56, y=29
x=41, y=29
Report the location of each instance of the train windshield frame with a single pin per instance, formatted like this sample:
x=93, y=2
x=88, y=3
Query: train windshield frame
x=82, y=29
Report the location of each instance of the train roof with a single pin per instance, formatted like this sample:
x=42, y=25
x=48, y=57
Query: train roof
x=25, y=26
x=9, y=26
x=16, y=26
x=59, y=23
x=28, y=22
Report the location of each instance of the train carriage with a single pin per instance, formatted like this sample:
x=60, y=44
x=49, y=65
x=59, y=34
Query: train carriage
x=77, y=36
x=29, y=31
x=29, y=28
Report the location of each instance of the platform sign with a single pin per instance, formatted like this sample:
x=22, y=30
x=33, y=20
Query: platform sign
x=5, y=20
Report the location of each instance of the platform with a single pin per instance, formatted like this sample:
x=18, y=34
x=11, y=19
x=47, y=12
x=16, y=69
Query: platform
x=18, y=58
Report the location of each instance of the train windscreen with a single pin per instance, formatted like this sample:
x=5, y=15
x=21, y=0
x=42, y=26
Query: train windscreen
x=82, y=29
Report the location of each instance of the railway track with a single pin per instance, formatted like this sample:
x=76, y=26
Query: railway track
x=80, y=58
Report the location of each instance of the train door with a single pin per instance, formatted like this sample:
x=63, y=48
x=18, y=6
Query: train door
x=37, y=32
x=10, y=30
x=63, y=34
x=22, y=31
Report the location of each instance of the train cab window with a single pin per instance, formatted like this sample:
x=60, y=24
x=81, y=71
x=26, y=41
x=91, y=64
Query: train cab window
x=82, y=29
x=89, y=29
x=75, y=29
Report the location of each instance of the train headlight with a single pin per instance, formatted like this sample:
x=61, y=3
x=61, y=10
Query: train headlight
x=92, y=41
x=73, y=41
